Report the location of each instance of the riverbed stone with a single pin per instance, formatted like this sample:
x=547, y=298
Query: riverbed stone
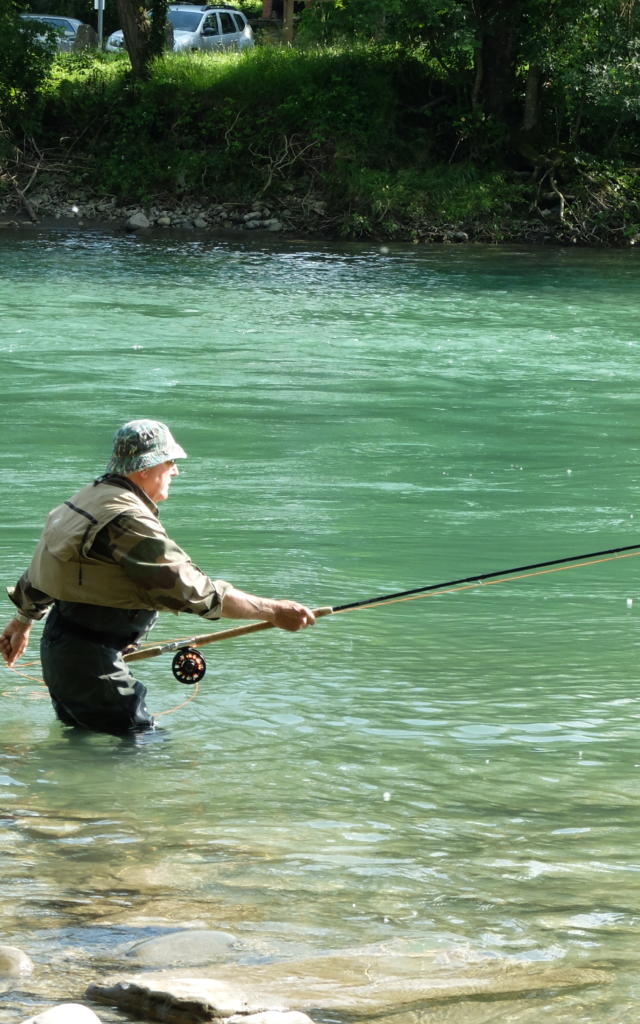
x=358, y=984
x=179, y=1000
x=188, y=947
x=65, y=1013
x=138, y=221
x=14, y=962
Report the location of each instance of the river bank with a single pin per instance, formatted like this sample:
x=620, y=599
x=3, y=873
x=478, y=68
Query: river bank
x=340, y=143
x=54, y=205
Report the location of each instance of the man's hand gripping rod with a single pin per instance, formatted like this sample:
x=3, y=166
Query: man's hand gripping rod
x=210, y=638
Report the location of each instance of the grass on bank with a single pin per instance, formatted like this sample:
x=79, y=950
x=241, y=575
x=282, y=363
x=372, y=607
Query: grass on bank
x=373, y=133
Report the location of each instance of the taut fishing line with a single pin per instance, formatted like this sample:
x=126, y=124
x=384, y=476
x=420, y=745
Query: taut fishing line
x=189, y=665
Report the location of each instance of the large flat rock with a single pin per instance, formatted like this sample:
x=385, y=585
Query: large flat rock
x=359, y=985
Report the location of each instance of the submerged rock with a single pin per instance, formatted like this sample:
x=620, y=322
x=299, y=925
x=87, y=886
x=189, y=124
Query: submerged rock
x=191, y=946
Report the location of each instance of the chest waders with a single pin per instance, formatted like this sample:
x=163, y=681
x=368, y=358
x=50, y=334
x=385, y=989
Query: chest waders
x=89, y=683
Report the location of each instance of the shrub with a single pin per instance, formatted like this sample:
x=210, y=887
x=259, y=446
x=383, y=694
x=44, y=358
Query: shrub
x=25, y=62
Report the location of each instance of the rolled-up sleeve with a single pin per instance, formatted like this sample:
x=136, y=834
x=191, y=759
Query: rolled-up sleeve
x=31, y=602
x=159, y=566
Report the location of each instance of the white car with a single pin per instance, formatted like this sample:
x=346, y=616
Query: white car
x=70, y=33
x=198, y=28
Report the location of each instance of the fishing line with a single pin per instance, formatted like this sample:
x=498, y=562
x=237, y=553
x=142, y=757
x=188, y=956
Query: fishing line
x=19, y=691
x=496, y=577
x=169, y=711
x=188, y=645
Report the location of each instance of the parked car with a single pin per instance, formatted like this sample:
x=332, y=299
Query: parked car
x=200, y=28
x=70, y=33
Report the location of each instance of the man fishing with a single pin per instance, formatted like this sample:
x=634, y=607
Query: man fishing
x=103, y=569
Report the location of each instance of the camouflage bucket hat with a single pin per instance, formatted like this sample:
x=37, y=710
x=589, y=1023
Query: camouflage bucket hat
x=141, y=444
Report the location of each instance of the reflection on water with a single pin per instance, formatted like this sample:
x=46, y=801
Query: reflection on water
x=459, y=773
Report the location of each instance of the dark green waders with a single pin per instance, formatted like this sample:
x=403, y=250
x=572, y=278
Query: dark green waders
x=88, y=680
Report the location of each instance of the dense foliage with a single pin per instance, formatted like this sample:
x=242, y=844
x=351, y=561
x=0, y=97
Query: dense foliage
x=25, y=62
x=392, y=114
x=556, y=71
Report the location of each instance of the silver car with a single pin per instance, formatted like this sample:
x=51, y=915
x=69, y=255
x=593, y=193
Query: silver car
x=71, y=34
x=200, y=28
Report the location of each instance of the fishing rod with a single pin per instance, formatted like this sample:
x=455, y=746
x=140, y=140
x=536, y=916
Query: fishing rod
x=189, y=665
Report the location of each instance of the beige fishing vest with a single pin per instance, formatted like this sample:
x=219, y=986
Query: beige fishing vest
x=62, y=566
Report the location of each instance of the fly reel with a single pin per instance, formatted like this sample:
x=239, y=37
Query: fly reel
x=188, y=666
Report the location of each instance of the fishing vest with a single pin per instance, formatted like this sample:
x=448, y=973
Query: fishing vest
x=62, y=565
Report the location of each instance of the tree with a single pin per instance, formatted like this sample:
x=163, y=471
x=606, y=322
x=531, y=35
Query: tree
x=26, y=55
x=523, y=75
x=144, y=36
x=499, y=29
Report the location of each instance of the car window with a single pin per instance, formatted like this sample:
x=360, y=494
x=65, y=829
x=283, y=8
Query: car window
x=227, y=22
x=60, y=23
x=211, y=23
x=238, y=20
x=54, y=22
x=184, y=21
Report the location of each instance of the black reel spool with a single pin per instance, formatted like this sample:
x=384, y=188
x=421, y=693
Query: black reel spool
x=188, y=666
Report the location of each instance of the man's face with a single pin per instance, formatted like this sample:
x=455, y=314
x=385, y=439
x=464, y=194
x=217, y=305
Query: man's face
x=157, y=480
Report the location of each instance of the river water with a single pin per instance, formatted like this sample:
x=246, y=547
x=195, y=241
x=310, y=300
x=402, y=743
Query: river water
x=458, y=775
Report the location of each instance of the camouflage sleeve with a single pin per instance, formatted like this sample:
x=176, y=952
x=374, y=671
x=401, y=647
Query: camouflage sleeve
x=161, y=567
x=31, y=602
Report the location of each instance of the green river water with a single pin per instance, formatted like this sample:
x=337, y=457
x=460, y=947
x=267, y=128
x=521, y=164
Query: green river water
x=457, y=776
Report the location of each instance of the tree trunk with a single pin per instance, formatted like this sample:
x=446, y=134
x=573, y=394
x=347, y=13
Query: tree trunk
x=499, y=27
x=531, y=112
x=136, y=29
x=159, y=35
x=287, y=21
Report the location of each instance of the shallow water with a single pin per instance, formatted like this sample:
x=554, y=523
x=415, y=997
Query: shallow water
x=459, y=773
